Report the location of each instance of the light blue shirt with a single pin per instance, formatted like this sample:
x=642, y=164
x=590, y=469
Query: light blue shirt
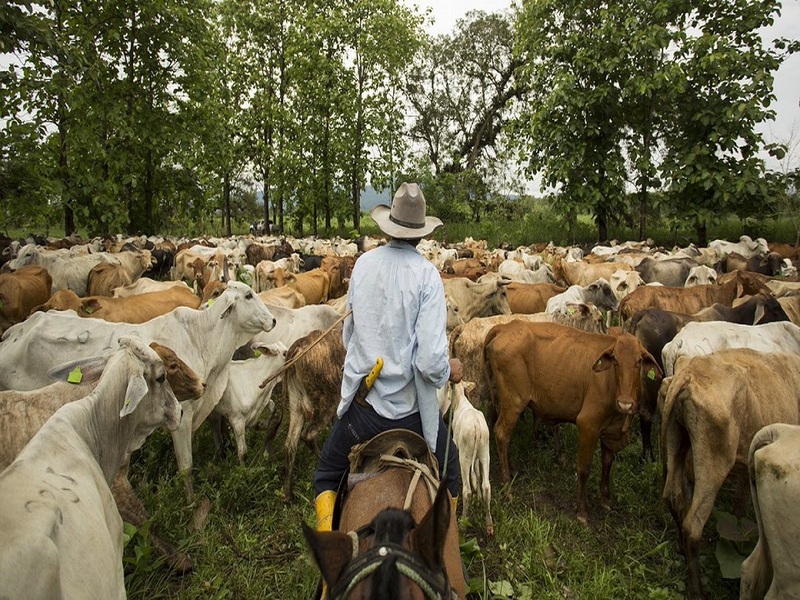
x=399, y=314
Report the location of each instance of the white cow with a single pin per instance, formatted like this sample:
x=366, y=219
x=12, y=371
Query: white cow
x=206, y=340
x=623, y=282
x=700, y=275
x=72, y=272
x=144, y=285
x=598, y=293
x=61, y=532
x=471, y=435
x=294, y=323
x=699, y=338
x=746, y=246
x=773, y=568
x=243, y=400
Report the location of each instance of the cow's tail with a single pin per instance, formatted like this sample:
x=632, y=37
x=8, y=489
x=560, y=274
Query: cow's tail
x=757, y=568
x=675, y=442
x=488, y=374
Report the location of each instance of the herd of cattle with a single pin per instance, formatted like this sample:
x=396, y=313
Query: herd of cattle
x=108, y=340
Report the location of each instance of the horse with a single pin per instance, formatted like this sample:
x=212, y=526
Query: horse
x=396, y=538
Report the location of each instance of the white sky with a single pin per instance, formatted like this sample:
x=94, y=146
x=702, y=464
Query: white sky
x=787, y=79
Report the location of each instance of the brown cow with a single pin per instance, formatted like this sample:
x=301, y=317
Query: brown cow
x=471, y=268
x=338, y=269
x=466, y=340
x=133, y=309
x=712, y=408
x=104, y=277
x=530, y=298
x=313, y=388
x=314, y=285
x=688, y=300
x=584, y=273
x=20, y=291
x=567, y=376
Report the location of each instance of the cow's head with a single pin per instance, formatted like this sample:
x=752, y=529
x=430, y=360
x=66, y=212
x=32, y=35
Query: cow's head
x=630, y=362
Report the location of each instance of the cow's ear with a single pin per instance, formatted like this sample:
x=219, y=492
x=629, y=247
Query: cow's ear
x=137, y=389
x=604, y=361
x=650, y=367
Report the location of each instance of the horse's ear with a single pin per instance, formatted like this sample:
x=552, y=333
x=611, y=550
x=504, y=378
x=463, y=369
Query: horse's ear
x=431, y=533
x=332, y=550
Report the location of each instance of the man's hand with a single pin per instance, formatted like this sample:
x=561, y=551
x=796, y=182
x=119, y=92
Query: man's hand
x=456, y=370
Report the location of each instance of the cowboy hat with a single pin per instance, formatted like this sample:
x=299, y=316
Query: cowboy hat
x=405, y=219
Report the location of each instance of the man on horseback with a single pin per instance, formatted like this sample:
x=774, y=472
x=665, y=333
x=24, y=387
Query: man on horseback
x=399, y=316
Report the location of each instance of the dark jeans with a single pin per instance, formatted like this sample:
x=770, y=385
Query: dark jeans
x=360, y=424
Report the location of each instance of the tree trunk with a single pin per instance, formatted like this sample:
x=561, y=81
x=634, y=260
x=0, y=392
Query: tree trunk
x=702, y=233
x=149, y=193
x=226, y=194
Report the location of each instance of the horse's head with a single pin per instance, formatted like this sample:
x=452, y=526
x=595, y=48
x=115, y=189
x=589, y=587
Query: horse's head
x=390, y=558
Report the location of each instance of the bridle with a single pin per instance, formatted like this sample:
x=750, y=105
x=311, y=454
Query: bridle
x=434, y=584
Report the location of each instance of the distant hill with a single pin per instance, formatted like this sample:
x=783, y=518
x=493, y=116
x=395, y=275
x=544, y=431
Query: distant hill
x=370, y=198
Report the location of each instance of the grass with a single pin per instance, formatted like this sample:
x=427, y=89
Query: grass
x=252, y=544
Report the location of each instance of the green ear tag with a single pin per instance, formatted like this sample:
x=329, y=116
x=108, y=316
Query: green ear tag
x=127, y=401
x=257, y=353
x=88, y=309
x=651, y=374
x=210, y=302
x=75, y=376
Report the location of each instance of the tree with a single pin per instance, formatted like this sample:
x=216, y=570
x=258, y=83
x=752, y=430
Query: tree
x=572, y=127
x=712, y=163
x=462, y=89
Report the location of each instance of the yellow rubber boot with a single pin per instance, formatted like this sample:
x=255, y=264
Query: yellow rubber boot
x=323, y=504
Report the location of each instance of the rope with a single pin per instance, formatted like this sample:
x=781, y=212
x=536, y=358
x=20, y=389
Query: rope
x=299, y=356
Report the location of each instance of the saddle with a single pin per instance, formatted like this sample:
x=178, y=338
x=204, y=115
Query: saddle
x=370, y=457
x=393, y=448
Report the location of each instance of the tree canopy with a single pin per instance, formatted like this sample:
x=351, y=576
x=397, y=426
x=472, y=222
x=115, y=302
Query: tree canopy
x=166, y=115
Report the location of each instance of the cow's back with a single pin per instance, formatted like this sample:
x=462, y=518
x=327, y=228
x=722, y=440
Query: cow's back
x=549, y=363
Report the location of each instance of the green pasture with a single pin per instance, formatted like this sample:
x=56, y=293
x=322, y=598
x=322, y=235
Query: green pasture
x=252, y=546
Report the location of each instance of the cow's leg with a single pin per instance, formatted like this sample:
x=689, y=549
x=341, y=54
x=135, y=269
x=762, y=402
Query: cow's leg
x=503, y=427
x=647, y=409
x=486, y=491
x=607, y=456
x=466, y=485
x=133, y=511
x=182, y=442
x=218, y=432
x=588, y=437
x=709, y=475
x=239, y=433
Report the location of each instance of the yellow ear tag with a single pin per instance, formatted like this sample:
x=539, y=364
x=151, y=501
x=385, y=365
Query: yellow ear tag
x=75, y=376
x=599, y=363
x=127, y=402
x=651, y=374
x=571, y=310
x=210, y=302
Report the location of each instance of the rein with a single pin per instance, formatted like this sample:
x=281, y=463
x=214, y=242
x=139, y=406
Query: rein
x=433, y=585
x=299, y=356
